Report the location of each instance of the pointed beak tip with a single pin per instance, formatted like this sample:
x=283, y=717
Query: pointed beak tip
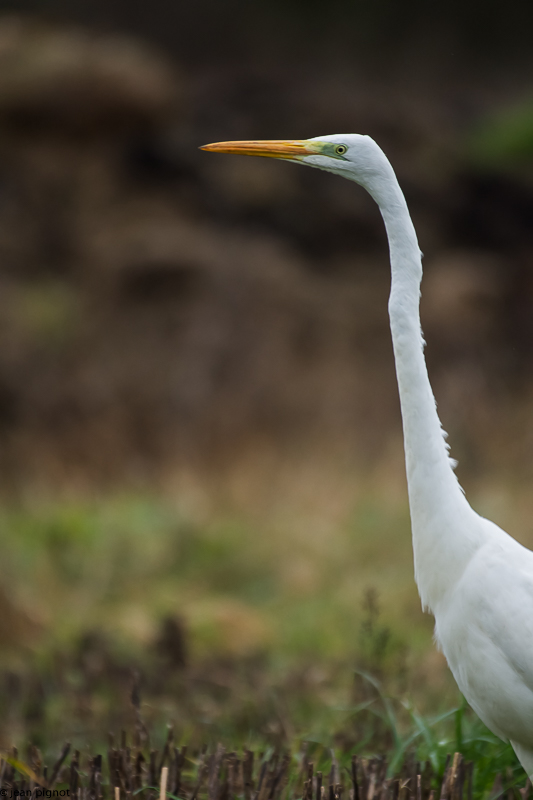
x=290, y=149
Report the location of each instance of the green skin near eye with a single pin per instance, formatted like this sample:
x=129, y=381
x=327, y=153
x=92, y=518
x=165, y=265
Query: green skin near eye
x=334, y=150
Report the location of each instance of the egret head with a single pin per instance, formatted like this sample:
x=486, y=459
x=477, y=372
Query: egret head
x=351, y=155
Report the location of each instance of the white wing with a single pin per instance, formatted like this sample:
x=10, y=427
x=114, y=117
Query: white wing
x=486, y=634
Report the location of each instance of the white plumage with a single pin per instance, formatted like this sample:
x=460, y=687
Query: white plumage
x=475, y=579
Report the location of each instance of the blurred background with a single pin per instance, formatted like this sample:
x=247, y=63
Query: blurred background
x=201, y=463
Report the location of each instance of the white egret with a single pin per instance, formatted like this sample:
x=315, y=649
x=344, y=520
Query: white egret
x=475, y=579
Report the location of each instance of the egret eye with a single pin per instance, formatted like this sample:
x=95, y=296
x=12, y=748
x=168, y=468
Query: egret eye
x=340, y=149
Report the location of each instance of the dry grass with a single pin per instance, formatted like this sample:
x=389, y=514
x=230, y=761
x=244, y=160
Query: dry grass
x=289, y=578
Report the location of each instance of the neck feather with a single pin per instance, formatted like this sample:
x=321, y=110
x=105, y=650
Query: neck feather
x=444, y=537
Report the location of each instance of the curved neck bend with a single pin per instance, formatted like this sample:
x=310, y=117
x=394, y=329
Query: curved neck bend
x=443, y=537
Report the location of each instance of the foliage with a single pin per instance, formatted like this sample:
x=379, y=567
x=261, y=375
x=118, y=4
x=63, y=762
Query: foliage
x=505, y=138
x=238, y=633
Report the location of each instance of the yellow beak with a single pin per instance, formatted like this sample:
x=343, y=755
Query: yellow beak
x=266, y=148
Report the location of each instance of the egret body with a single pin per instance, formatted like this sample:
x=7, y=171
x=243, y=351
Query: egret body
x=475, y=579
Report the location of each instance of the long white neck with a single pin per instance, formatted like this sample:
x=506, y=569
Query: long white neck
x=444, y=536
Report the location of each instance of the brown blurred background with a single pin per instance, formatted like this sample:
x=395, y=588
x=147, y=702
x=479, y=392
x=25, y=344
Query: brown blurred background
x=214, y=330
x=163, y=309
